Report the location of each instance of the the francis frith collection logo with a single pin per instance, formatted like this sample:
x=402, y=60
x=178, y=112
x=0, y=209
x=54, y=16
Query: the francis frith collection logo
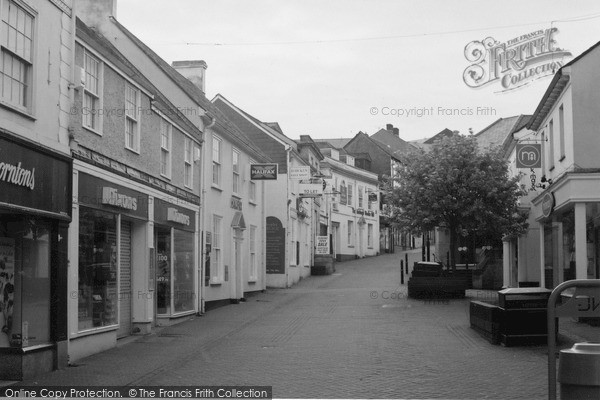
x=515, y=62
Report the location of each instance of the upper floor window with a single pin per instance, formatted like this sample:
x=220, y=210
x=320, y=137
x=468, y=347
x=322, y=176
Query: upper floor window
x=216, y=160
x=165, y=148
x=561, y=130
x=360, y=197
x=188, y=170
x=350, y=192
x=17, y=55
x=91, y=92
x=132, y=136
x=236, y=171
x=551, y=144
x=252, y=191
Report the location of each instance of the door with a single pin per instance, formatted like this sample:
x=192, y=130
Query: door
x=125, y=280
x=238, y=278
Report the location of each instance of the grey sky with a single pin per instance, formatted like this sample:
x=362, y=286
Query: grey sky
x=319, y=67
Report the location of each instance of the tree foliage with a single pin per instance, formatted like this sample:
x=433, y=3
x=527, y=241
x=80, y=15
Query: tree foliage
x=459, y=187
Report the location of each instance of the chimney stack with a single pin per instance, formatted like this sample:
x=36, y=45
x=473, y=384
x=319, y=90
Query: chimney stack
x=193, y=70
x=389, y=127
x=95, y=13
x=397, y=132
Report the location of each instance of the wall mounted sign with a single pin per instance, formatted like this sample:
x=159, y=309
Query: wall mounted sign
x=547, y=204
x=167, y=213
x=111, y=196
x=514, y=63
x=299, y=173
x=235, y=203
x=529, y=155
x=310, y=189
x=322, y=245
x=263, y=172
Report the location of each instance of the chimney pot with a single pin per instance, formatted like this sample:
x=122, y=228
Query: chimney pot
x=389, y=127
x=396, y=131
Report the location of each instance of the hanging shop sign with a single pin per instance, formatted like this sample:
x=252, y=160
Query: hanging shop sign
x=34, y=179
x=299, y=173
x=547, y=204
x=310, y=189
x=262, y=172
x=529, y=155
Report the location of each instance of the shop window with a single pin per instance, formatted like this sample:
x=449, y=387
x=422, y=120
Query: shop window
x=350, y=233
x=97, y=299
x=183, y=273
x=16, y=64
x=370, y=235
x=163, y=271
x=24, y=281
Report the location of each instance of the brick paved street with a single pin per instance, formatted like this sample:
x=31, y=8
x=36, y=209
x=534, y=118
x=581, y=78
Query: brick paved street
x=351, y=334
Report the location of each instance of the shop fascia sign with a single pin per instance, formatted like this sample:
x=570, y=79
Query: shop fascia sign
x=17, y=176
x=174, y=215
x=514, y=63
x=112, y=197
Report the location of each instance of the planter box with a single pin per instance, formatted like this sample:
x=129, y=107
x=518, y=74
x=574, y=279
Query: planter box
x=436, y=287
x=485, y=320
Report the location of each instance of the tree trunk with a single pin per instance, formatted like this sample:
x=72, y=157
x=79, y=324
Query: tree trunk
x=453, y=248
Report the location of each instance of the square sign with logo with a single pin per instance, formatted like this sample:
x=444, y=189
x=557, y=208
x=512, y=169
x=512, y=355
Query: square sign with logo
x=529, y=155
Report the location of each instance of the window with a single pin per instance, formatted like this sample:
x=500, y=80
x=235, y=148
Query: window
x=164, y=259
x=252, y=191
x=216, y=157
x=350, y=233
x=551, y=144
x=561, y=131
x=165, y=148
x=216, y=248
x=253, y=252
x=370, y=235
x=350, y=190
x=360, y=197
x=183, y=271
x=132, y=137
x=91, y=92
x=236, y=171
x=188, y=170
x=17, y=55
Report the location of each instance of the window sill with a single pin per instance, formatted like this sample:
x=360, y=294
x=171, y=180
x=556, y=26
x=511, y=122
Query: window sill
x=351, y=246
x=165, y=176
x=95, y=331
x=551, y=168
x=252, y=202
x=562, y=158
x=132, y=150
x=213, y=186
x=237, y=196
x=252, y=281
x=23, y=112
x=216, y=282
x=94, y=131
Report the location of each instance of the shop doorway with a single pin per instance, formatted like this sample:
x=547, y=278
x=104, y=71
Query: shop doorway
x=124, y=280
x=238, y=278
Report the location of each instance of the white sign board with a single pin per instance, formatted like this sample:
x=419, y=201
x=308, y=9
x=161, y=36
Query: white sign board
x=310, y=189
x=299, y=173
x=322, y=245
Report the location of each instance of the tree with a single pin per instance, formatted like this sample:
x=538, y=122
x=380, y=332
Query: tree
x=459, y=187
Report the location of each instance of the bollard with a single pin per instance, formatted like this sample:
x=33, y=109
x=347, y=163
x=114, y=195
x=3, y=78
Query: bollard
x=406, y=263
x=401, y=273
x=579, y=372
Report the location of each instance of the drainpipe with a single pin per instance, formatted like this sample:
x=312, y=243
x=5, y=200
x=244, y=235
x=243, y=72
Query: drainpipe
x=203, y=169
x=288, y=219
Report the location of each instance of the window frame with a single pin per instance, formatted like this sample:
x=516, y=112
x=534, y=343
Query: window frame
x=167, y=150
x=28, y=65
x=252, y=268
x=217, y=164
x=350, y=233
x=236, y=180
x=87, y=110
x=216, y=249
x=188, y=162
x=133, y=117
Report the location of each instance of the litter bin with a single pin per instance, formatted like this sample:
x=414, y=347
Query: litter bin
x=523, y=313
x=579, y=372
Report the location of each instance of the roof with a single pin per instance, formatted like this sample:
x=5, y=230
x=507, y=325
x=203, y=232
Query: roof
x=398, y=146
x=444, y=133
x=108, y=50
x=558, y=83
x=222, y=124
x=337, y=143
x=383, y=147
x=499, y=133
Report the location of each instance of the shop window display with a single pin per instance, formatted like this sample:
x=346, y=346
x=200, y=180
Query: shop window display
x=97, y=300
x=184, y=271
x=24, y=281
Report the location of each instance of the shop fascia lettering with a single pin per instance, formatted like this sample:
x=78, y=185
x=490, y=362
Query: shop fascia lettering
x=175, y=216
x=111, y=196
x=17, y=176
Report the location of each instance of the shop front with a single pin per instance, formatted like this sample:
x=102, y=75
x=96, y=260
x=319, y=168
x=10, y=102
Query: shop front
x=111, y=250
x=175, y=245
x=569, y=218
x=35, y=210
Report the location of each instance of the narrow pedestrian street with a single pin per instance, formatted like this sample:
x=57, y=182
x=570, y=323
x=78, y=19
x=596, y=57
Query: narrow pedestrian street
x=352, y=334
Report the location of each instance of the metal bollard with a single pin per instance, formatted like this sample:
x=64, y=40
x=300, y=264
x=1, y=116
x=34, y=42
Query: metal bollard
x=579, y=372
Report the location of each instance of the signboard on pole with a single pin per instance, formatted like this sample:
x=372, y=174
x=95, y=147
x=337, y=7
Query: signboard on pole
x=322, y=245
x=529, y=155
x=299, y=173
x=263, y=172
